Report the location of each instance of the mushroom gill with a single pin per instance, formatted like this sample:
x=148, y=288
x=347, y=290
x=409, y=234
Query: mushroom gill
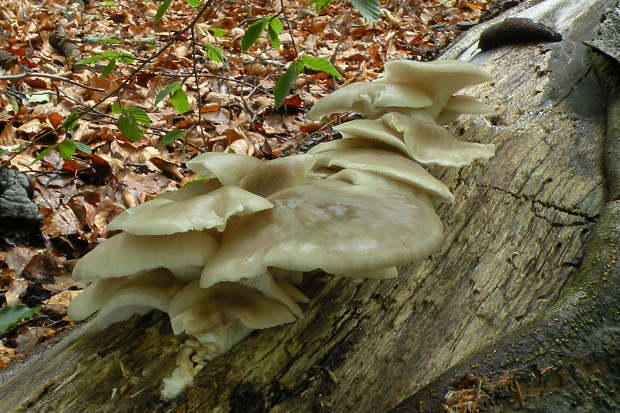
x=220, y=256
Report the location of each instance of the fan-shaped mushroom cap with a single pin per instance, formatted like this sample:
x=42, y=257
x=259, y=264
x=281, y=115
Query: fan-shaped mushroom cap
x=369, y=99
x=349, y=143
x=267, y=285
x=390, y=165
x=278, y=174
x=432, y=144
x=374, y=131
x=228, y=168
x=190, y=190
x=340, y=229
x=438, y=79
x=197, y=311
x=194, y=214
x=99, y=292
x=461, y=104
x=356, y=177
x=126, y=254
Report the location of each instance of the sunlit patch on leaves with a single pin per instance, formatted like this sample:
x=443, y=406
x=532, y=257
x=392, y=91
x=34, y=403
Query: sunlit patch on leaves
x=285, y=83
x=178, y=98
x=10, y=315
x=172, y=136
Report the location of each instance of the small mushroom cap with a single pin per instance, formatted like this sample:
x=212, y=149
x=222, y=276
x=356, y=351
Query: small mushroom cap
x=189, y=191
x=438, y=79
x=356, y=177
x=432, y=144
x=228, y=168
x=197, y=311
x=340, y=229
x=387, y=164
x=267, y=285
x=126, y=254
x=374, y=131
x=278, y=174
x=369, y=99
x=201, y=212
x=458, y=105
x=146, y=291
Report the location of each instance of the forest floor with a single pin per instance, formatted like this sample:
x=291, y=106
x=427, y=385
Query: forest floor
x=82, y=177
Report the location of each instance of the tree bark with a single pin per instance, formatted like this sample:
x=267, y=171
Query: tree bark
x=529, y=264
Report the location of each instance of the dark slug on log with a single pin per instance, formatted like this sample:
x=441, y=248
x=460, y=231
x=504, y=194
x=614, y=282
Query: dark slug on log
x=516, y=30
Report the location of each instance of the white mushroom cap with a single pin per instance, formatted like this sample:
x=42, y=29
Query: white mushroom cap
x=201, y=212
x=461, y=104
x=432, y=144
x=267, y=285
x=341, y=229
x=374, y=131
x=387, y=164
x=356, y=177
x=126, y=254
x=198, y=311
x=369, y=99
x=438, y=79
x=278, y=174
x=349, y=143
x=119, y=298
x=228, y=168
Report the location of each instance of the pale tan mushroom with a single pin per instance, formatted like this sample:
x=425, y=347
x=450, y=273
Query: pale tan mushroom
x=162, y=216
x=228, y=168
x=126, y=254
x=370, y=99
x=340, y=229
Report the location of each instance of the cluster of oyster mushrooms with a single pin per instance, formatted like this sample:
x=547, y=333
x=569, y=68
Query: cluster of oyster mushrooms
x=221, y=256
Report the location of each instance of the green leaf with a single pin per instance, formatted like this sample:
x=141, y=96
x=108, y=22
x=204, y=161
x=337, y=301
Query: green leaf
x=139, y=115
x=217, y=32
x=71, y=122
x=274, y=28
x=167, y=91
x=252, y=34
x=370, y=9
x=42, y=154
x=193, y=3
x=320, y=64
x=108, y=69
x=161, y=10
x=117, y=110
x=83, y=148
x=173, y=135
x=127, y=58
x=107, y=3
x=215, y=53
x=129, y=127
x=66, y=149
x=91, y=59
x=110, y=41
x=10, y=315
x=321, y=5
x=285, y=83
x=179, y=101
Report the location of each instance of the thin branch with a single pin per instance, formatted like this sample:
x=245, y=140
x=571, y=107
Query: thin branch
x=49, y=76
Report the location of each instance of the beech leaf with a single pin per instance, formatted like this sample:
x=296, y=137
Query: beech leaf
x=10, y=315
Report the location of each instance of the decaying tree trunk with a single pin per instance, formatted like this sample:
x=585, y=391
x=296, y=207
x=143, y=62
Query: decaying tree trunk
x=529, y=265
